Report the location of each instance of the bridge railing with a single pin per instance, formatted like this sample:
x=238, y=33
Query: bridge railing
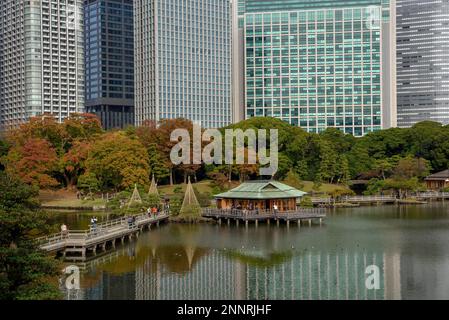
x=101, y=229
x=368, y=198
x=432, y=195
x=267, y=214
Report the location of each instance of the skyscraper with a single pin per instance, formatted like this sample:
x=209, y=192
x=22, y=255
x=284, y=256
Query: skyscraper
x=319, y=64
x=183, y=60
x=41, y=59
x=422, y=61
x=109, y=42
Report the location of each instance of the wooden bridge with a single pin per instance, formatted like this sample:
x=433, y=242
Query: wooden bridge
x=78, y=243
x=369, y=199
x=267, y=216
x=432, y=195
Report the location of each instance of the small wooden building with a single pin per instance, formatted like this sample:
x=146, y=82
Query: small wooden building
x=260, y=195
x=438, y=181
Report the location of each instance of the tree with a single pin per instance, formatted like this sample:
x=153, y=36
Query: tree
x=4, y=148
x=118, y=161
x=409, y=167
x=158, y=166
x=25, y=272
x=89, y=182
x=294, y=180
x=73, y=163
x=151, y=135
x=33, y=163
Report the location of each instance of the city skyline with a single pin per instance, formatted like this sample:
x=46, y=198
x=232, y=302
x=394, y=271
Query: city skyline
x=207, y=62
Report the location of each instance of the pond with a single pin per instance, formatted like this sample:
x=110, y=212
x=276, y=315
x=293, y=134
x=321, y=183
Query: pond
x=384, y=252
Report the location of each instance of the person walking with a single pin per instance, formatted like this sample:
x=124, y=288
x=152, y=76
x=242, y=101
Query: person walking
x=93, y=225
x=64, y=231
x=275, y=209
x=154, y=211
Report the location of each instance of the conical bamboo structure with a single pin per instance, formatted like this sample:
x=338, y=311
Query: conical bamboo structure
x=135, y=198
x=153, y=188
x=190, y=206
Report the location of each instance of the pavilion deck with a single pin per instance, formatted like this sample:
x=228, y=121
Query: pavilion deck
x=256, y=216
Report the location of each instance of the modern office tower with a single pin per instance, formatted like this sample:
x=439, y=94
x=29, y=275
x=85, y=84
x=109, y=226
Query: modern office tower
x=183, y=61
x=238, y=61
x=319, y=64
x=41, y=59
x=422, y=61
x=109, y=43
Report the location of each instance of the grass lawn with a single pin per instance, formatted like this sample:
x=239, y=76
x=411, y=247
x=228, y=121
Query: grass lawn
x=204, y=186
x=66, y=198
x=324, y=188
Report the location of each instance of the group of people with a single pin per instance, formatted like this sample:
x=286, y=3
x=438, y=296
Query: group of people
x=251, y=208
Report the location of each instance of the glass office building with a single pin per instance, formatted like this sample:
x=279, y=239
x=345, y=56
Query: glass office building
x=109, y=42
x=41, y=59
x=321, y=64
x=183, y=61
x=422, y=61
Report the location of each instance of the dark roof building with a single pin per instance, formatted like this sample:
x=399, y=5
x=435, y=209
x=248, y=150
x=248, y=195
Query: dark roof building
x=438, y=180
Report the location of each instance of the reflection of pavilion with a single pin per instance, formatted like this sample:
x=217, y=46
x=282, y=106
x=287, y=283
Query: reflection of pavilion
x=212, y=277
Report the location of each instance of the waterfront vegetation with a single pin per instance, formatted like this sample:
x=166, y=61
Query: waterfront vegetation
x=25, y=272
x=78, y=164
x=78, y=154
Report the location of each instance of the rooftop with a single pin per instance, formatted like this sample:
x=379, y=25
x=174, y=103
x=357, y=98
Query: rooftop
x=262, y=190
x=443, y=175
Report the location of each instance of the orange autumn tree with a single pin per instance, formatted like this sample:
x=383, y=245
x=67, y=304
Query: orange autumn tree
x=73, y=163
x=33, y=163
x=158, y=136
x=71, y=140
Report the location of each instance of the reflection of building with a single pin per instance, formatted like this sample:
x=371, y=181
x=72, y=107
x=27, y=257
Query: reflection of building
x=217, y=276
x=320, y=276
x=213, y=277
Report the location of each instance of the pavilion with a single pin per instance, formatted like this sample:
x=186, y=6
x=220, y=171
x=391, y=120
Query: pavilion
x=260, y=195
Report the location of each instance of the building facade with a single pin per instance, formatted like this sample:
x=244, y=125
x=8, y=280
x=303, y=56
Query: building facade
x=41, y=59
x=422, y=61
x=319, y=64
x=109, y=43
x=183, y=61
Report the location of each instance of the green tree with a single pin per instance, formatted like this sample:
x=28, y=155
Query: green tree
x=25, y=272
x=118, y=161
x=4, y=148
x=88, y=182
x=158, y=166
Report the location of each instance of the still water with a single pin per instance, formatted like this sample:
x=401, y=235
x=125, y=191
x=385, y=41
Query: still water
x=408, y=244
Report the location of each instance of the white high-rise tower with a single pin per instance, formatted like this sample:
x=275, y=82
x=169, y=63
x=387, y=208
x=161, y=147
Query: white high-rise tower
x=41, y=59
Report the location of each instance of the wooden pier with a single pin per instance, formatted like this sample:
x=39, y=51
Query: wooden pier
x=78, y=243
x=246, y=216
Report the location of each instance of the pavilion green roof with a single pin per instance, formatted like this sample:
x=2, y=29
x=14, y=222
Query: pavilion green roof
x=262, y=190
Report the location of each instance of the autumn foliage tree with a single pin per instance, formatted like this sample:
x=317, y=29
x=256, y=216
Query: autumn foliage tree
x=69, y=141
x=33, y=163
x=118, y=161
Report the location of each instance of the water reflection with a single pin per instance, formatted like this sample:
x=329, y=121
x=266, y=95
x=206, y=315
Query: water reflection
x=218, y=262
